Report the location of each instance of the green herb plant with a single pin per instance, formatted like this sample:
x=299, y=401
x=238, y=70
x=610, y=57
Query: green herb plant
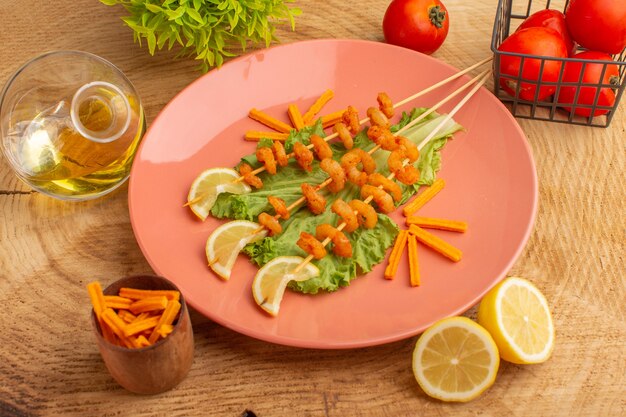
x=209, y=29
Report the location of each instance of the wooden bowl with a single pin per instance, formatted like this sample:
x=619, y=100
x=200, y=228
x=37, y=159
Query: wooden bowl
x=156, y=368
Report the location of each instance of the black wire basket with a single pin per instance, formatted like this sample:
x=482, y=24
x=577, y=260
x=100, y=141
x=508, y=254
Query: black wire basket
x=509, y=15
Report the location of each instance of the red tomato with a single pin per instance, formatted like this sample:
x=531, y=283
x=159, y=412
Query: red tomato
x=553, y=19
x=421, y=25
x=598, y=25
x=592, y=75
x=532, y=41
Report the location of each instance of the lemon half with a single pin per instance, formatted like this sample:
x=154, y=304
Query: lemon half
x=270, y=282
x=455, y=360
x=211, y=183
x=225, y=243
x=517, y=315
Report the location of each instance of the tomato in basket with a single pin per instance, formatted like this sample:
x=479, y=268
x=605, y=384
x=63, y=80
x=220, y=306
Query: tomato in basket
x=541, y=41
x=598, y=25
x=552, y=19
x=421, y=25
x=591, y=75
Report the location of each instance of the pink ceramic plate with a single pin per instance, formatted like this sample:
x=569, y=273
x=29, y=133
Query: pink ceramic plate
x=490, y=175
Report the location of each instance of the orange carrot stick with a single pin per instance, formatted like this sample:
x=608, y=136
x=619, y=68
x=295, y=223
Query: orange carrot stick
x=141, y=341
x=435, y=223
x=253, y=135
x=332, y=118
x=436, y=243
x=295, y=116
x=414, y=271
x=115, y=301
x=115, y=323
x=127, y=316
x=136, y=294
x=142, y=316
x=424, y=197
x=97, y=298
x=164, y=330
x=148, y=304
x=168, y=317
x=269, y=121
x=97, y=301
x=396, y=254
x=317, y=106
x=140, y=325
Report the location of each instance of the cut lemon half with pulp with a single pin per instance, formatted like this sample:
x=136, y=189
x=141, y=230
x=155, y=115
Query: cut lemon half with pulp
x=517, y=315
x=270, y=282
x=211, y=183
x=227, y=241
x=455, y=360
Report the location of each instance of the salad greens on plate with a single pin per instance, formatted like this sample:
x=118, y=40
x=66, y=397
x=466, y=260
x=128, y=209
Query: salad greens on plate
x=369, y=245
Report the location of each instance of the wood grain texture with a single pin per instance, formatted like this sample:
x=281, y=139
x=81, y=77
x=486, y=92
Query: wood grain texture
x=49, y=250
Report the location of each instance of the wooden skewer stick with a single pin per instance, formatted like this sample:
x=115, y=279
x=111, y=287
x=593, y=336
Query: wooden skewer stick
x=432, y=134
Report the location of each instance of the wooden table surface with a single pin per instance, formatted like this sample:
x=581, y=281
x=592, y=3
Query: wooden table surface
x=49, y=250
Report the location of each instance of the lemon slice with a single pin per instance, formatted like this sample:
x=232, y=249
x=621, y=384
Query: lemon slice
x=455, y=360
x=270, y=282
x=517, y=315
x=227, y=241
x=211, y=183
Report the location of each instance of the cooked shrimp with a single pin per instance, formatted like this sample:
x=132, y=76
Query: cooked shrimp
x=369, y=165
x=396, y=159
x=408, y=175
x=405, y=174
x=246, y=172
x=311, y=245
x=388, y=185
x=344, y=135
x=385, y=105
x=365, y=214
x=382, y=199
x=351, y=119
x=343, y=210
x=355, y=176
x=280, y=207
x=341, y=244
x=382, y=137
x=410, y=149
x=350, y=162
x=280, y=154
x=388, y=141
x=374, y=132
x=304, y=156
x=378, y=118
x=314, y=200
x=335, y=172
x=321, y=147
x=325, y=230
x=270, y=223
x=266, y=156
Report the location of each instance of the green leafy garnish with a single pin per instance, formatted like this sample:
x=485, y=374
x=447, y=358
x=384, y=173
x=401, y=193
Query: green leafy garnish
x=208, y=29
x=265, y=143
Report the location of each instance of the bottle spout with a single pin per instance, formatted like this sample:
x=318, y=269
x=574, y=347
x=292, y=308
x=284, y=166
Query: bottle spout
x=100, y=112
